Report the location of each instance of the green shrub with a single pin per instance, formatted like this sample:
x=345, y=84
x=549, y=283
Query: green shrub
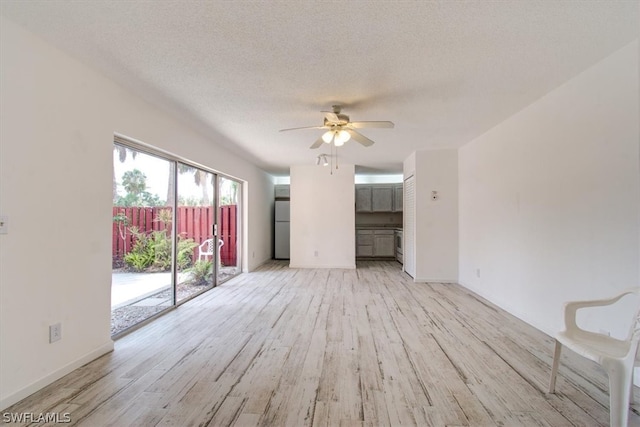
x=201, y=272
x=161, y=247
x=153, y=252
x=138, y=261
x=142, y=255
x=184, y=252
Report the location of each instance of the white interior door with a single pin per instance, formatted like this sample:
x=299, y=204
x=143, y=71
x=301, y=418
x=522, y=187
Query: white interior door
x=409, y=227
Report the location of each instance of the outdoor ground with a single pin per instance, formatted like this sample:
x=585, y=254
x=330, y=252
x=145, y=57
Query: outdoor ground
x=138, y=296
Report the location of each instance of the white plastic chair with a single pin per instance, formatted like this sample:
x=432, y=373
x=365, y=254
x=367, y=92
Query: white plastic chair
x=206, y=249
x=635, y=365
x=616, y=356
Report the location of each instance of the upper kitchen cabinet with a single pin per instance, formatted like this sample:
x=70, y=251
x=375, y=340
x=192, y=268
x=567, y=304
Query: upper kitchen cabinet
x=397, y=197
x=381, y=198
x=378, y=198
x=363, y=198
x=281, y=191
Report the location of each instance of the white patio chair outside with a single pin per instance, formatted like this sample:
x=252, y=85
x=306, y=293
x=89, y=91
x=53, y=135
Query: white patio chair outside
x=616, y=356
x=206, y=249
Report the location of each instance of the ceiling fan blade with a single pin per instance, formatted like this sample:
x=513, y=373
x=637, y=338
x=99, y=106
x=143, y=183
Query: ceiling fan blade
x=374, y=124
x=306, y=127
x=331, y=118
x=317, y=144
x=358, y=137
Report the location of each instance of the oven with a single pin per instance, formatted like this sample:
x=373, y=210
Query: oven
x=398, y=241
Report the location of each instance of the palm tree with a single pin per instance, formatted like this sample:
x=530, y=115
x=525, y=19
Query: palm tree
x=199, y=177
x=134, y=182
x=228, y=191
x=122, y=156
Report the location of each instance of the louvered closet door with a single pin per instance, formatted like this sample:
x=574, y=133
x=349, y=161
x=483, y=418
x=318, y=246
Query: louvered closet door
x=409, y=227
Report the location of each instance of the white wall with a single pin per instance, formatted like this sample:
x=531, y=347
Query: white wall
x=56, y=144
x=323, y=217
x=436, y=225
x=259, y=217
x=549, y=199
x=409, y=166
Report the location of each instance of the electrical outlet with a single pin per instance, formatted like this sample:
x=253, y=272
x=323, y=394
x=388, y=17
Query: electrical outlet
x=477, y=272
x=55, y=332
x=315, y=253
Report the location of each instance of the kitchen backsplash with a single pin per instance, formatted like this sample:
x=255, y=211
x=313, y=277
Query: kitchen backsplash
x=394, y=218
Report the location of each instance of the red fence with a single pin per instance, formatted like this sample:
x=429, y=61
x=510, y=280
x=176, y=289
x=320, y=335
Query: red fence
x=193, y=223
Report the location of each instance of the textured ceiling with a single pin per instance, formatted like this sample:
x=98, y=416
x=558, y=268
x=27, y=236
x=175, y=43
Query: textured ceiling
x=443, y=71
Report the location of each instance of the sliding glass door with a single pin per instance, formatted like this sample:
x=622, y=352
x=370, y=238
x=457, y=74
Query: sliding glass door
x=175, y=233
x=197, y=245
x=142, y=237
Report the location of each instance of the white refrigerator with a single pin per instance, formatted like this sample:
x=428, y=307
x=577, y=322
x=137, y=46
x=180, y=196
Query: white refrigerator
x=282, y=229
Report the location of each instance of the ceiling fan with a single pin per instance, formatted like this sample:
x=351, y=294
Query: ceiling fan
x=339, y=129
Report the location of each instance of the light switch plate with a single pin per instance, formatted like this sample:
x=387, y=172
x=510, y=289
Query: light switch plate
x=4, y=224
x=55, y=332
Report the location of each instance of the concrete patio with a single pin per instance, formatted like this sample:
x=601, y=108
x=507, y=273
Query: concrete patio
x=129, y=288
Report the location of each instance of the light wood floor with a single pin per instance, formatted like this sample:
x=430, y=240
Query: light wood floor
x=283, y=346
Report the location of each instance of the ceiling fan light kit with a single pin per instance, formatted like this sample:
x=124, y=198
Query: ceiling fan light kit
x=340, y=129
x=327, y=136
x=339, y=137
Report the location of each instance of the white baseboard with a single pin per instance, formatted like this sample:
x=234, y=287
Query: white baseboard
x=427, y=280
x=347, y=267
x=13, y=398
x=520, y=315
x=248, y=269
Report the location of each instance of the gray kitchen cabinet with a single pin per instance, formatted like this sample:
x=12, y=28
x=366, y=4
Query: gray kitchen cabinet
x=381, y=198
x=383, y=243
x=372, y=243
x=281, y=191
x=375, y=198
x=397, y=197
x=363, y=198
x=364, y=243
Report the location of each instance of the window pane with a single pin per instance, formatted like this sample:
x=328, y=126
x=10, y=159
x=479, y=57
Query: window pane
x=141, y=284
x=196, y=251
x=229, y=226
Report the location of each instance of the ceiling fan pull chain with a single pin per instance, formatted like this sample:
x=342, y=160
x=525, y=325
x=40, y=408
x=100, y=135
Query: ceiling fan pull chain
x=334, y=152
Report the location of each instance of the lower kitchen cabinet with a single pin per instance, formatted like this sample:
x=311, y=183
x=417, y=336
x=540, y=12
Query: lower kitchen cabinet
x=375, y=243
x=383, y=243
x=364, y=243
